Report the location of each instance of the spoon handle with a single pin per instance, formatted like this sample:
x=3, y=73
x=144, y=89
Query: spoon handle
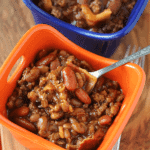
x=136, y=55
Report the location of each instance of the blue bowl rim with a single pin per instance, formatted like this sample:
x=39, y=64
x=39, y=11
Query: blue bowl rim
x=138, y=8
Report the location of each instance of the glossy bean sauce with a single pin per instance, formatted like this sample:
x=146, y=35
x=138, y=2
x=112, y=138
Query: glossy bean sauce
x=102, y=16
x=50, y=100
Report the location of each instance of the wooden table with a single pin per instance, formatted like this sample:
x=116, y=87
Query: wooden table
x=16, y=19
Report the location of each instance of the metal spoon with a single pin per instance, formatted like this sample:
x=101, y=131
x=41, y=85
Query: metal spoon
x=136, y=55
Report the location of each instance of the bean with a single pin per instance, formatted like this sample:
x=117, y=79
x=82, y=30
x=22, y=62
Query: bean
x=78, y=111
x=114, y=109
x=93, y=122
x=103, y=93
x=72, y=120
x=32, y=75
x=76, y=102
x=109, y=84
x=67, y=134
x=83, y=77
x=25, y=124
x=111, y=104
x=91, y=129
x=61, y=88
x=114, y=5
x=116, y=85
x=67, y=126
x=98, y=97
x=86, y=65
x=82, y=117
x=54, y=136
x=60, y=123
x=61, y=132
x=43, y=69
x=34, y=117
x=49, y=88
x=73, y=132
x=41, y=54
x=79, y=79
x=118, y=104
x=61, y=142
x=109, y=99
x=43, y=133
x=71, y=147
x=120, y=98
x=99, y=134
x=18, y=102
x=71, y=108
x=46, y=60
x=78, y=127
x=20, y=112
x=105, y=120
x=113, y=93
x=47, y=4
x=42, y=81
x=10, y=104
x=100, y=82
x=62, y=3
x=13, y=97
x=83, y=96
x=102, y=108
x=57, y=108
x=71, y=58
x=63, y=95
x=57, y=115
x=44, y=103
x=65, y=106
x=42, y=123
x=53, y=128
x=69, y=78
x=91, y=79
x=84, y=126
x=63, y=53
x=54, y=64
x=33, y=96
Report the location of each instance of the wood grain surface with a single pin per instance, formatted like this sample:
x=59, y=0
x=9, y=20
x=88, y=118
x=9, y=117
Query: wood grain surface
x=16, y=19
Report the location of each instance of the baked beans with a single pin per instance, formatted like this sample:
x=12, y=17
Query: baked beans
x=52, y=101
x=102, y=16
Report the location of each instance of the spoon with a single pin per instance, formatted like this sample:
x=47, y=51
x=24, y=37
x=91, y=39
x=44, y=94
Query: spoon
x=125, y=60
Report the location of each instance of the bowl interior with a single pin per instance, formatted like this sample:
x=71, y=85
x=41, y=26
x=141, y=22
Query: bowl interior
x=132, y=20
x=103, y=44
x=131, y=78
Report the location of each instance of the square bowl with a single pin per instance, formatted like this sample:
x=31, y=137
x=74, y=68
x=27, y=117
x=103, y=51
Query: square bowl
x=131, y=78
x=98, y=43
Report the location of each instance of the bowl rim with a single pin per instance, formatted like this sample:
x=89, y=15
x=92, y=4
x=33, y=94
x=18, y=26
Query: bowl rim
x=33, y=30
x=138, y=9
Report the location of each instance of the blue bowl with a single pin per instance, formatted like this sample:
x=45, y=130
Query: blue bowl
x=103, y=44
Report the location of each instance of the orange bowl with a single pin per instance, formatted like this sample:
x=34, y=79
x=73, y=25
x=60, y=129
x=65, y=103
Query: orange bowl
x=131, y=78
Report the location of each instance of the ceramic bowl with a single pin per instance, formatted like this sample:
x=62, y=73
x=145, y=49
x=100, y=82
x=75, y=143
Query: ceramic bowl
x=131, y=78
x=98, y=43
